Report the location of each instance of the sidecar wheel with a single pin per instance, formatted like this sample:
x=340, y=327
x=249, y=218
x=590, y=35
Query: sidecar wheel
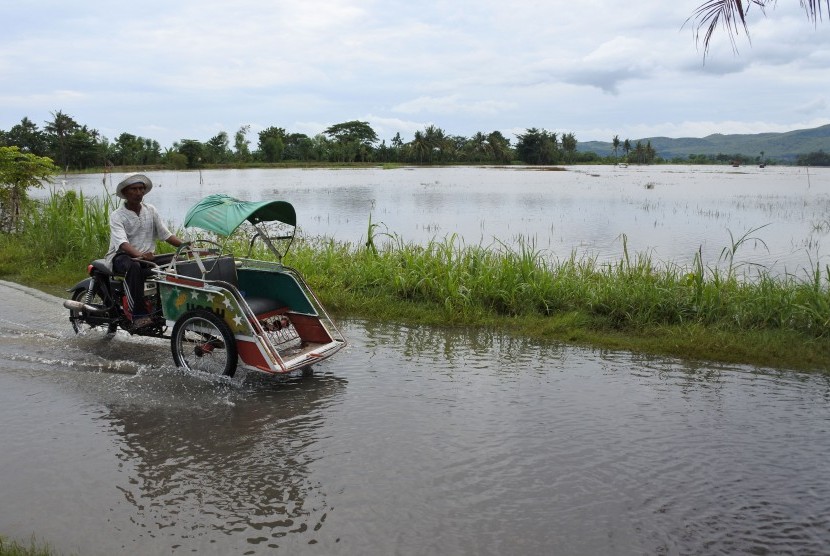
x=204, y=343
x=83, y=327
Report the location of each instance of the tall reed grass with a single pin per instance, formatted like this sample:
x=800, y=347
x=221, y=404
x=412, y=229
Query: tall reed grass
x=384, y=275
x=59, y=236
x=68, y=225
x=632, y=293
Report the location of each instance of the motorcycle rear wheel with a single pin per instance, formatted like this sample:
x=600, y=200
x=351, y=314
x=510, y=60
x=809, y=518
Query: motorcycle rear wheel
x=79, y=324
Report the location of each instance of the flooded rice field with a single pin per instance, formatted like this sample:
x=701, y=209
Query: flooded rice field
x=671, y=213
x=409, y=441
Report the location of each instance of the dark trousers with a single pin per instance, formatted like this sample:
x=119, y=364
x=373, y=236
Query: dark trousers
x=134, y=276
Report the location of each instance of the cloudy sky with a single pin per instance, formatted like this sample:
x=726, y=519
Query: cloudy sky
x=172, y=70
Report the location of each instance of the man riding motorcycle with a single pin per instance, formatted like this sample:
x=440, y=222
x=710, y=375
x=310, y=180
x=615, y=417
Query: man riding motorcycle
x=134, y=228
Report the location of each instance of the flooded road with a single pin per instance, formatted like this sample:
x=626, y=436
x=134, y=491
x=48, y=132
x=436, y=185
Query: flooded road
x=410, y=441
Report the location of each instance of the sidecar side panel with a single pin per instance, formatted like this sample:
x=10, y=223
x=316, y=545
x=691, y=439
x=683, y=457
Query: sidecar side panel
x=251, y=356
x=181, y=296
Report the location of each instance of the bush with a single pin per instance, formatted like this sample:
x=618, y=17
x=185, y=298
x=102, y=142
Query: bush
x=177, y=161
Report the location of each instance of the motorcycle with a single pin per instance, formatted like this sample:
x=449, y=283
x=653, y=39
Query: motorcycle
x=223, y=311
x=100, y=302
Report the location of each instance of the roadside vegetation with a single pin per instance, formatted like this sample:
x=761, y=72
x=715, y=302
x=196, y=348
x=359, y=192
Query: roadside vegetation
x=10, y=547
x=725, y=314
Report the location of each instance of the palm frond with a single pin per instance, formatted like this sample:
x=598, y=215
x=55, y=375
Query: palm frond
x=813, y=9
x=731, y=14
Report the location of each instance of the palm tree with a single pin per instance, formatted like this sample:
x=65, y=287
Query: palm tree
x=437, y=141
x=615, y=142
x=569, y=143
x=639, y=152
x=500, y=147
x=479, y=147
x=731, y=14
x=60, y=129
x=420, y=147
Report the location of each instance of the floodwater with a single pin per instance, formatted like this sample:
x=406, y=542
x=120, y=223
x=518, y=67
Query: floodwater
x=409, y=441
x=669, y=213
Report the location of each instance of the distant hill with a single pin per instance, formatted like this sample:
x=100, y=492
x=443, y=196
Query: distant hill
x=782, y=147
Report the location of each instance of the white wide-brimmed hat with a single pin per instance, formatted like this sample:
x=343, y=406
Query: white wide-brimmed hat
x=133, y=179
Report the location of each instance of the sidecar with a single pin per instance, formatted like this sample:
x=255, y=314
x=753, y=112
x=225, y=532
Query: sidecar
x=228, y=311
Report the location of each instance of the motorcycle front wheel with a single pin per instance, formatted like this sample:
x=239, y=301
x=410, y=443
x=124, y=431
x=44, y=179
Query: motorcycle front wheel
x=204, y=343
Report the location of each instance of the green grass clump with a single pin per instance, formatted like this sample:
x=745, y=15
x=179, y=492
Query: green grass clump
x=15, y=548
x=725, y=313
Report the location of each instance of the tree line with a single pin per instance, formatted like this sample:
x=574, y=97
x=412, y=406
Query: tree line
x=74, y=146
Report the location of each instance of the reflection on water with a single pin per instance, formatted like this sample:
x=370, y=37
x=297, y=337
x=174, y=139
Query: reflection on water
x=236, y=467
x=669, y=212
x=412, y=440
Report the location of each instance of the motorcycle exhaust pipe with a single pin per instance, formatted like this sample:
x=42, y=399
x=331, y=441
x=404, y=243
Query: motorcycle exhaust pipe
x=73, y=305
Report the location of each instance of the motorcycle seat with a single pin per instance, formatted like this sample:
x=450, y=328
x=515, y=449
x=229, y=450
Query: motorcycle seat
x=101, y=266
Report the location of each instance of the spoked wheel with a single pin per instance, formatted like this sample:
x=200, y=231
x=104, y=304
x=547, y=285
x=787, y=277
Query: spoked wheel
x=83, y=327
x=203, y=342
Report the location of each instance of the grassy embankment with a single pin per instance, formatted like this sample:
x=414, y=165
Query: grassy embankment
x=10, y=547
x=634, y=304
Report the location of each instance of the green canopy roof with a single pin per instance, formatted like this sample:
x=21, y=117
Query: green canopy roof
x=223, y=214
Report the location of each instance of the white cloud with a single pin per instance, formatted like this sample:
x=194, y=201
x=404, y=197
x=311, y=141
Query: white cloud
x=189, y=69
x=451, y=104
x=816, y=105
x=386, y=128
